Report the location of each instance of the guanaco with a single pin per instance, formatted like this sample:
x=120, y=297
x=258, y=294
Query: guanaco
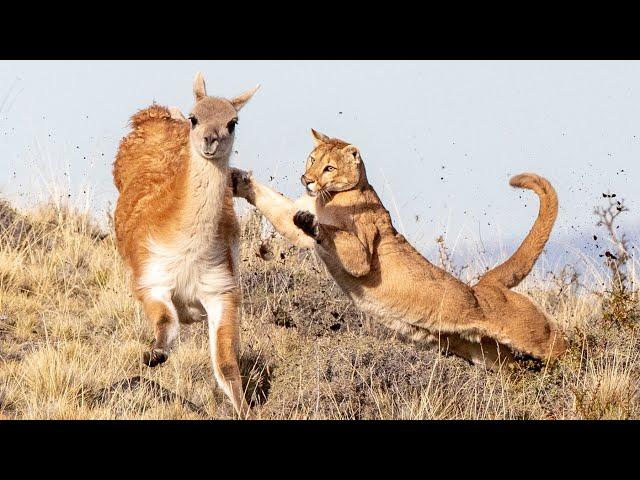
x=176, y=227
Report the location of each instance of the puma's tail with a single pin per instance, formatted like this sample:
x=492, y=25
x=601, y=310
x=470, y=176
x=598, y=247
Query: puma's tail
x=512, y=271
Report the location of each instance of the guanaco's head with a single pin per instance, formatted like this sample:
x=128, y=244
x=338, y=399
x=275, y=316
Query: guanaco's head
x=213, y=121
x=332, y=166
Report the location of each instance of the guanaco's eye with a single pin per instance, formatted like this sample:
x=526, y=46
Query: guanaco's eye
x=329, y=168
x=193, y=120
x=231, y=126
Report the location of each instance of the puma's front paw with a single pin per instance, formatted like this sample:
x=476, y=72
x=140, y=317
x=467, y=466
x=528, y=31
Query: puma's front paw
x=307, y=222
x=241, y=182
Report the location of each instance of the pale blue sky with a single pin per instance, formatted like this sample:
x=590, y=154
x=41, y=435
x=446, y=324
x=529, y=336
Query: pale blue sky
x=439, y=138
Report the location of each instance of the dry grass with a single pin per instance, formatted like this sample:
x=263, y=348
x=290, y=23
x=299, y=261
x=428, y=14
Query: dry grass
x=71, y=337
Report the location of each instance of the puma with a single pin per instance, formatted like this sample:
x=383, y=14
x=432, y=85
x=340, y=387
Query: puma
x=343, y=219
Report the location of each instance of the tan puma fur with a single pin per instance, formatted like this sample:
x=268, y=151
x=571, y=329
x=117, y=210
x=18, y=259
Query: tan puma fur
x=388, y=279
x=176, y=228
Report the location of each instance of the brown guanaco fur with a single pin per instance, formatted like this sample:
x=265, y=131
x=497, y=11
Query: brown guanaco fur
x=176, y=228
x=343, y=218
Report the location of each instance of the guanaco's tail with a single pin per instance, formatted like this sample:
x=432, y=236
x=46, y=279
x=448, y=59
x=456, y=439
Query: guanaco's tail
x=512, y=271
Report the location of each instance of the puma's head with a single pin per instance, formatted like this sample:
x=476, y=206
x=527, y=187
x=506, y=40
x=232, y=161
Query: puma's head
x=332, y=166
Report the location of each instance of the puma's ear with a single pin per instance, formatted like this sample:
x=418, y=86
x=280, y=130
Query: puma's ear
x=199, y=90
x=353, y=152
x=319, y=138
x=242, y=99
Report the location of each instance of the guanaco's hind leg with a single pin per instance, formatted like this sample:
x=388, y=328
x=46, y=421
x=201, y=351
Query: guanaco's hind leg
x=224, y=339
x=189, y=312
x=164, y=319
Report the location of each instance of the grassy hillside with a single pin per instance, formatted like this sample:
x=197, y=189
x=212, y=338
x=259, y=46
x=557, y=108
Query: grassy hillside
x=71, y=337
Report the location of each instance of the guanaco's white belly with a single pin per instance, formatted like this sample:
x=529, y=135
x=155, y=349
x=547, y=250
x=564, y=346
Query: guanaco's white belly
x=190, y=268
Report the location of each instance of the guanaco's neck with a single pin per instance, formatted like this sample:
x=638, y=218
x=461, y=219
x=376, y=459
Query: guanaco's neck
x=206, y=183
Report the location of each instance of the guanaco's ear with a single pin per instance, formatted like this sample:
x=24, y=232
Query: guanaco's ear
x=199, y=90
x=318, y=137
x=176, y=114
x=241, y=100
x=353, y=152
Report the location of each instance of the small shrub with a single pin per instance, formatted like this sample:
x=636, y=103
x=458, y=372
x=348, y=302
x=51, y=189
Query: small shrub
x=620, y=298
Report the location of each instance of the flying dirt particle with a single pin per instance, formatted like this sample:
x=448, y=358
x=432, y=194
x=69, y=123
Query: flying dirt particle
x=335, y=327
x=265, y=252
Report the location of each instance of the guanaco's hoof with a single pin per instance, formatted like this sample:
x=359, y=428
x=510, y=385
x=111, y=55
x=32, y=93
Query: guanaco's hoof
x=154, y=357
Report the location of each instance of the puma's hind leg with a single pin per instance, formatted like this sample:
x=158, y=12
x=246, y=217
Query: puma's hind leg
x=488, y=353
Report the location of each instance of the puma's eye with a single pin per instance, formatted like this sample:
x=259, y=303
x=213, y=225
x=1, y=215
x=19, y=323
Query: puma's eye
x=311, y=160
x=231, y=126
x=193, y=120
x=329, y=168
